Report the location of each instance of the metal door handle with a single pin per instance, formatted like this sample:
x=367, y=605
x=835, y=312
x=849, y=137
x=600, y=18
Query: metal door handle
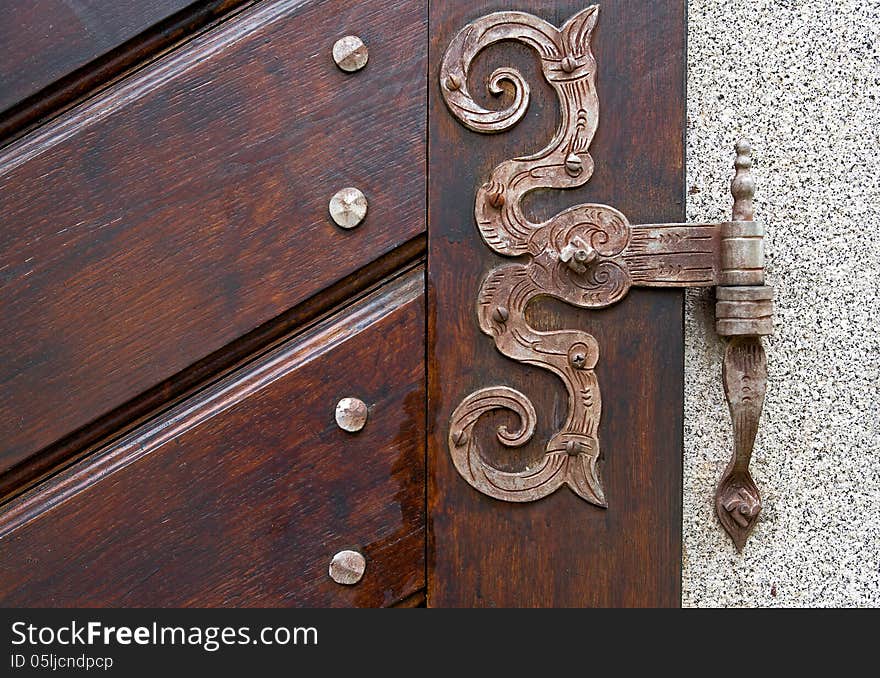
x=590, y=256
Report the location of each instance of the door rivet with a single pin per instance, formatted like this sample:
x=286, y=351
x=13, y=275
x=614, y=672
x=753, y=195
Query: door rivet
x=348, y=207
x=574, y=165
x=351, y=414
x=573, y=448
x=350, y=53
x=500, y=314
x=347, y=567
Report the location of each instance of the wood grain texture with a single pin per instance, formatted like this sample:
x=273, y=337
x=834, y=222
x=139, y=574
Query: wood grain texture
x=561, y=551
x=53, y=51
x=242, y=495
x=417, y=599
x=44, y=40
x=183, y=384
x=187, y=205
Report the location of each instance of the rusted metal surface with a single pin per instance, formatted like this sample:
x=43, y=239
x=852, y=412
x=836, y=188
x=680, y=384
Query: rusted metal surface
x=737, y=499
x=743, y=312
x=574, y=255
x=588, y=256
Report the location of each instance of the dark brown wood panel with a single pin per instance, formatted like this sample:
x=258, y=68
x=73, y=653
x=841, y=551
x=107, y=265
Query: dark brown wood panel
x=188, y=205
x=562, y=551
x=242, y=496
x=44, y=40
x=53, y=51
x=87, y=440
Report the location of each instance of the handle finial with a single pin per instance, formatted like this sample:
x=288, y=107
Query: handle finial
x=743, y=185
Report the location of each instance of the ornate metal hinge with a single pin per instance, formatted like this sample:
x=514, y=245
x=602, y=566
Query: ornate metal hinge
x=590, y=256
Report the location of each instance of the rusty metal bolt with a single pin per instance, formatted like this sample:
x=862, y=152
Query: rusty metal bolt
x=494, y=194
x=500, y=314
x=350, y=53
x=574, y=165
x=578, y=254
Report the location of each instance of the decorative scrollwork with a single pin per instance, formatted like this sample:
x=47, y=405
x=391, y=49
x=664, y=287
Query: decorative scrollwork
x=569, y=66
x=589, y=256
x=576, y=256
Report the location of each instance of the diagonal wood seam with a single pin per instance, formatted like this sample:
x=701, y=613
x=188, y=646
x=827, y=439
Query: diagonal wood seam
x=327, y=335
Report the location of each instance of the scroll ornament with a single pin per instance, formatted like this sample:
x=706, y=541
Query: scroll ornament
x=589, y=256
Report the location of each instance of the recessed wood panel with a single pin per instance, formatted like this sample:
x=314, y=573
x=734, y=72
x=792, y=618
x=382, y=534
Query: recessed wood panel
x=242, y=495
x=53, y=51
x=187, y=205
x=44, y=41
x=561, y=551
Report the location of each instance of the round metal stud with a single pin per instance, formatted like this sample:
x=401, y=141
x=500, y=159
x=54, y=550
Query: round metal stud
x=350, y=53
x=347, y=567
x=580, y=358
x=351, y=414
x=496, y=199
x=574, y=165
x=348, y=207
x=500, y=314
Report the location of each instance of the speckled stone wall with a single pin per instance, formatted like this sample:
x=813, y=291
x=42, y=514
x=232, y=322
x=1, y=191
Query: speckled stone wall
x=802, y=80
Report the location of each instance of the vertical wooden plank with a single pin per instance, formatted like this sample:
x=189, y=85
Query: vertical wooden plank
x=562, y=551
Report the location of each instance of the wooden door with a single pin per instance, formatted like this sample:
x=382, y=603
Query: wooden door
x=560, y=550
x=181, y=315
